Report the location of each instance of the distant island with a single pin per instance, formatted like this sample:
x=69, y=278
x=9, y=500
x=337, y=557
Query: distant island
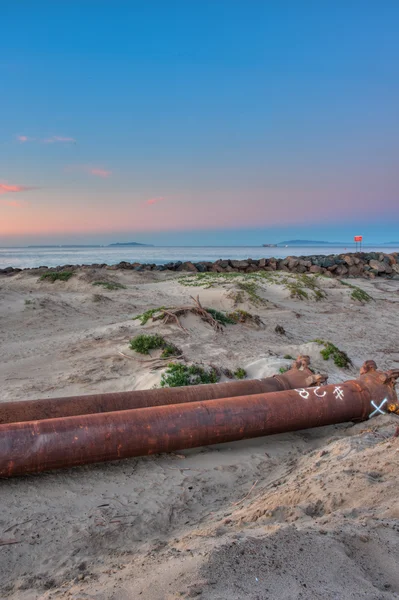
x=128, y=244
x=307, y=243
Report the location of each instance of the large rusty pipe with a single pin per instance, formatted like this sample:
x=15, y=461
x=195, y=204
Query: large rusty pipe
x=37, y=446
x=52, y=408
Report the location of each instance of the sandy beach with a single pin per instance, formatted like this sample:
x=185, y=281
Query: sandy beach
x=306, y=515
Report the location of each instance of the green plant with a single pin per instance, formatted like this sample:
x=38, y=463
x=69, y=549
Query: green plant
x=250, y=288
x=144, y=343
x=110, y=285
x=357, y=293
x=340, y=358
x=220, y=317
x=177, y=375
x=240, y=373
x=288, y=357
x=148, y=314
x=28, y=302
x=297, y=291
x=170, y=350
x=54, y=275
x=284, y=369
x=239, y=316
x=319, y=295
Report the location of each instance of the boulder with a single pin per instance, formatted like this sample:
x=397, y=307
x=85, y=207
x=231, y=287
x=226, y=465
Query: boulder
x=305, y=263
x=201, y=268
x=223, y=263
x=316, y=269
x=187, y=266
x=341, y=270
x=377, y=266
x=240, y=264
x=354, y=271
x=217, y=268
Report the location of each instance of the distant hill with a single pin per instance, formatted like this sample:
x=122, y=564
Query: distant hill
x=129, y=244
x=306, y=243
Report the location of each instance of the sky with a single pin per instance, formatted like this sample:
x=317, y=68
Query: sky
x=178, y=122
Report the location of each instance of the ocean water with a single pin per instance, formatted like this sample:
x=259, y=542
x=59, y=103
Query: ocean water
x=52, y=257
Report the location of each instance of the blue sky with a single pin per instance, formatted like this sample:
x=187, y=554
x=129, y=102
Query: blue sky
x=194, y=120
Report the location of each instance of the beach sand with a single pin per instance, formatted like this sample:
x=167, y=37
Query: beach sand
x=310, y=515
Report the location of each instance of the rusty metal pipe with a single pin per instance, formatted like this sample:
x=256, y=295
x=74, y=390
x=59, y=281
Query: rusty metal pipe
x=52, y=408
x=37, y=446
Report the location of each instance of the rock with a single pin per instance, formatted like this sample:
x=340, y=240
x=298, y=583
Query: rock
x=354, y=271
x=316, y=269
x=223, y=263
x=377, y=266
x=240, y=264
x=124, y=265
x=217, y=269
x=327, y=262
x=201, y=268
x=251, y=269
x=395, y=268
x=262, y=262
x=187, y=266
x=279, y=329
x=350, y=261
x=305, y=263
x=292, y=263
x=341, y=270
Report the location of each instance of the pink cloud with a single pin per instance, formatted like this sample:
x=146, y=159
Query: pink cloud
x=99, y=172
x=89, y=170
x=155, y=200
x=6, y=188
x=24, y=138
x=57, y=138
x=13, y=203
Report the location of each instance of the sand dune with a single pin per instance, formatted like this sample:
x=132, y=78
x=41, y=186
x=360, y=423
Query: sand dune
x=312, y=514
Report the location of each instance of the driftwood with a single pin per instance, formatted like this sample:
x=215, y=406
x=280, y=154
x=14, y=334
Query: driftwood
x=173, y=314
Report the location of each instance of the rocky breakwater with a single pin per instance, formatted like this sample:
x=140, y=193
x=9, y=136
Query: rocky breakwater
x=360, y=264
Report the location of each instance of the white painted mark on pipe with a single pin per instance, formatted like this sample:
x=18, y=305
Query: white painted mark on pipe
x=378, y=408
x=338, y=392
x=317, y=394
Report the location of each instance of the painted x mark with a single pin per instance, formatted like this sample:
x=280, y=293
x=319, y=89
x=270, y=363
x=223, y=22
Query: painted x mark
x=378, y=408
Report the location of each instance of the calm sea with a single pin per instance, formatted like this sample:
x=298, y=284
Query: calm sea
x=52, y=257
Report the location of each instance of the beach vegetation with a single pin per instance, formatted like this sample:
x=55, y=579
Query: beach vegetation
x=144, y=343
x=148, y=314
x=220, y=317
x=177, y=375
x=56, y=275
x=283, y=369
x=288, y=357
x=357, y=293
x=110, y=285
x=240, y=373
x=340, y=358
